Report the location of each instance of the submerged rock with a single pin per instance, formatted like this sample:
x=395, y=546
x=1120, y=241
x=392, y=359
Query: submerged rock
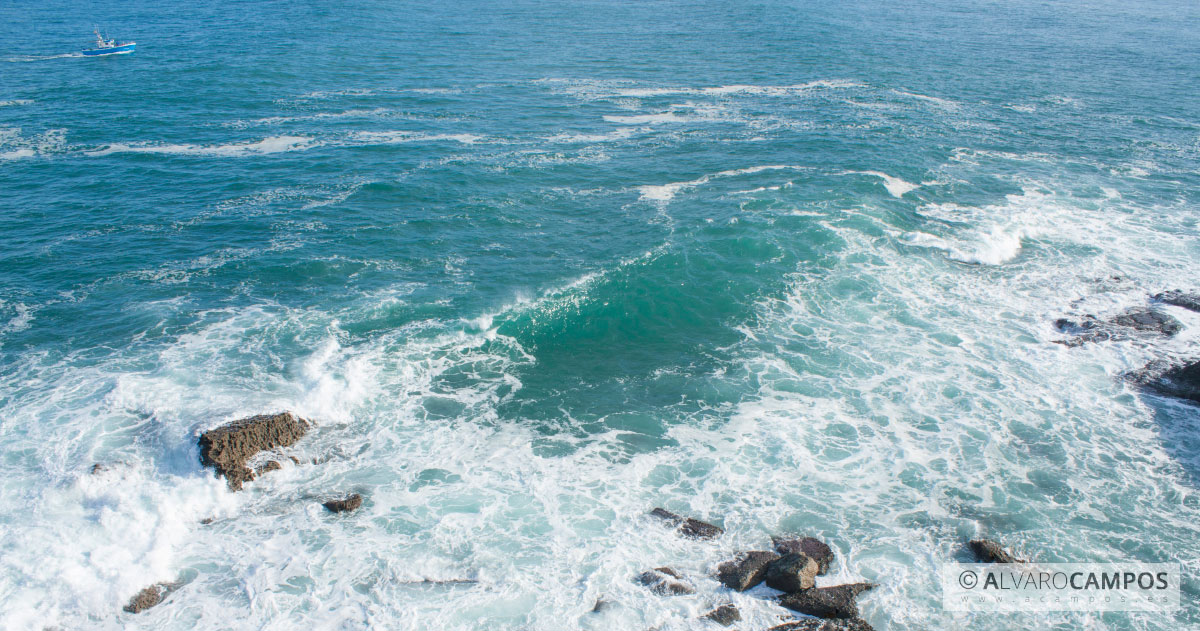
x=988, y=551
x=150, y=597
x=810, y=547
x=688, y=527
x=746, y=571
x=814, y=624
x=1191, y=302
x=348, y=503
x=228, y=448
x=1181, y=381
x=724, y=615
x=792, y=572
x=827, y=602
x=665, y=581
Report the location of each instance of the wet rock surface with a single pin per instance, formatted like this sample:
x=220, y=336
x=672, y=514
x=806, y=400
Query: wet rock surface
x=813, y=624
x=228, y=448
x=792, y=572
x=665, y=581
x=1187, y=300
x=687, y=526
x=988, y=551
x=827, y=602
x=746, y=571
x=1181, y=381
x=724, y=615
x=345, y=504
x=150, y=597
x=1123, y=326
x=811, y=547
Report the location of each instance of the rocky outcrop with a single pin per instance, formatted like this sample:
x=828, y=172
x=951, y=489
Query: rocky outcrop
x=792, y=572
x=150, y=597
x=686, y=526
x=815, y=624
x=724, y=615
x=348, y=503
x=665, y=581
x=230, y=447
x=1123, y=326
x=1181, y=381
x=1189, y=301
x=827, y=602
x=810, y=547
x=988, y=551
x=746, y=571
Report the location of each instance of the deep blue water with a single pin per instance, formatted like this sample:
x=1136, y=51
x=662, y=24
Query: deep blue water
x=535, y=268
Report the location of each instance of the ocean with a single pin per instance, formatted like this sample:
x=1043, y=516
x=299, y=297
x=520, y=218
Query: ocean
x=533, y=269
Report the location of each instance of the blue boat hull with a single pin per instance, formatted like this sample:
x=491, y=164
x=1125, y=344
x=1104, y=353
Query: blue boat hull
x=123, y=49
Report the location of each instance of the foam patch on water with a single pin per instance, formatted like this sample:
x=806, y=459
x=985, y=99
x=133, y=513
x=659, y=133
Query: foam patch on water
x=15, y=102
x=273, y=144
x=895, y=186
x=399, y=137
x=666, y=192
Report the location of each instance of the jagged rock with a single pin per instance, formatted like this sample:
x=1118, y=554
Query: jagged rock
x=348, y=503
x=665, y=581
x=270, y=466
x=827, y=602
x=150, y=597
x=1191, y=302
x=228, y=448
x=688, y=527
x=1181, y=381
x=816, y=624
x=1091, y=329
x=810, y=547
x=792, y=572
x=724, y=615
x=746, y=571
x=988, y=551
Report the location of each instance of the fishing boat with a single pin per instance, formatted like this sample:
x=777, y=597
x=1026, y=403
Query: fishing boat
x=109, y=47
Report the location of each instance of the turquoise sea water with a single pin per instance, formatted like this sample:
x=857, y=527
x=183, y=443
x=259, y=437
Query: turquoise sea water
x=536, y=268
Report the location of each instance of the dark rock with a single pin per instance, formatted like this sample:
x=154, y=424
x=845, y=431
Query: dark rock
x=1119, y=327
x=208, y=520
x=1148, y=320
x=827, y=602
x=1191, y=302
x=815, y=624
x=228, y=448
x=688, y=527
x=746, y=571
x=100, y=467
x=348, y=503
x=988, y=551
x=1181, y=381
x=724, y=615
x=150, y=597
x=810, y=547
x=792, y=572
x=665, y=581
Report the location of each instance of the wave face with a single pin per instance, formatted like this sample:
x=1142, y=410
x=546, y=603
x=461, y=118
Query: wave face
x=791, y=269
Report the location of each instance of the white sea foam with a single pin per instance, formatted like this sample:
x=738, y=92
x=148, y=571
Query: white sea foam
x=666, y=192
x=17, y=154
x=398, y=137
x=274, y=144
x=14, y=102
x=894, y=185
